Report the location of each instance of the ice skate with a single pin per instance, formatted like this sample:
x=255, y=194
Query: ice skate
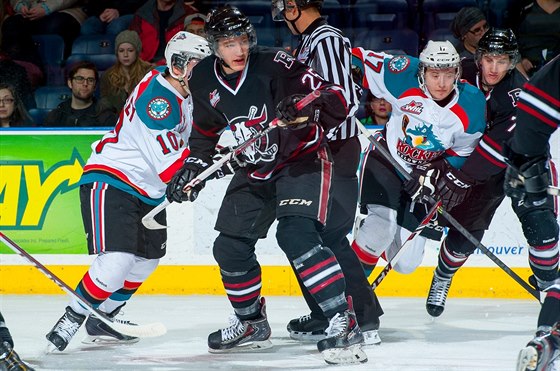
x=242, y=335
x=437, y=295
x=344, y=339
x=307, y=328
x=100, y=333
x=64, y=330
x=542, y=353
x=370, y=331
x=9, y=359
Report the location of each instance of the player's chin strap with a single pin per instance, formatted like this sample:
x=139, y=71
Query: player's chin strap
x=387, y=156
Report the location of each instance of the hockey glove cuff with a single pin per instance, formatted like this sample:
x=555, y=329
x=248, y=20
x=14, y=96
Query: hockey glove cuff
x=453, y=187
x=423, y=182
x=292, y=118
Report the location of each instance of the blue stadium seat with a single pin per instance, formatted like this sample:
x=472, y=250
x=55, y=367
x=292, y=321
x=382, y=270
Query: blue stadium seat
x=51, y=50
x=394, y=41
x=440, y=13
x=442, y=34
x=38, y=115
x=380, y=14
x=94, y=44
x=49, y=97
x=101, y=61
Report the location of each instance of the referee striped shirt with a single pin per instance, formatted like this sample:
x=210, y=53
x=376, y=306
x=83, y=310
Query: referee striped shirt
x=538, y=111
x=325, y=49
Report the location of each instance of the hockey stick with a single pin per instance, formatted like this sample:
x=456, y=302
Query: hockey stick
x=450, y=219
x=140, y=331
x=149, y=220
x=381, y=276
x=555, y=191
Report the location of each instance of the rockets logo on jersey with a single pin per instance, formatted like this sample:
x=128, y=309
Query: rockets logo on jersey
x=245, y=127
x=159, y=108
x=413, y=107
x=399, y=64
x=420, y=145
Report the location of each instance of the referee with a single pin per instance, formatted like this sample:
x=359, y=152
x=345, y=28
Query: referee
x=325, y=49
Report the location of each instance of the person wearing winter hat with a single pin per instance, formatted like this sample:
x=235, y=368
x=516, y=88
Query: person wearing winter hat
x=119, y=80
x=194, y=23
x=469, y=25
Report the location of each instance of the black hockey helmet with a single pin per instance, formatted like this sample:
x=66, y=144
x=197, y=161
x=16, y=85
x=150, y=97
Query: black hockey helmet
x=225, y=22
x=278, y=7
x=498, y=41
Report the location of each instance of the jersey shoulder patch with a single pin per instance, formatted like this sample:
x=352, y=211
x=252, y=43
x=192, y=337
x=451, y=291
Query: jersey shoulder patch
x=159, y=108
x=398, y=64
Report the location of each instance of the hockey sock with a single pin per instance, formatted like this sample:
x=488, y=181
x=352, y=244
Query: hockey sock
x=449, y=261
x=119, y=297
x=541, y=231
x=243, y=290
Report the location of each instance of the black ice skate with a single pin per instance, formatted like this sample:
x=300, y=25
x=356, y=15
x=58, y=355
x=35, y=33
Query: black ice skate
x=9, y=359
x=64, y=329
x=242, y=336
x=437, y=295
x=343, y=344
x=100, y=333
x=542, y=353
x=309, y=329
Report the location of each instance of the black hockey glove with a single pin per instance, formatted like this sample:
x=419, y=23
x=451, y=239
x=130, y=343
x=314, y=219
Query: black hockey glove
x=292, y=118
x=453, y=186
x=526, y=178
x=192, y=167
x=424, y=181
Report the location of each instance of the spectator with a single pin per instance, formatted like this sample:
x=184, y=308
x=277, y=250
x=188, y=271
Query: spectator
x=378, y=110
x=194, y=23
x=469, y=25
x=16, y=75
x=537, y=34
x=118, y=81
x=156, y=22
x=35, y=17
x=12, y=110
x=82, y=109
x=109, y=16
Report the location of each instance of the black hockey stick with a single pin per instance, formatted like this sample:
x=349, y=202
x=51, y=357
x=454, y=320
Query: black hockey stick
x=381, y=276
x=450, y=219
x=140, y=331
x=149, y=220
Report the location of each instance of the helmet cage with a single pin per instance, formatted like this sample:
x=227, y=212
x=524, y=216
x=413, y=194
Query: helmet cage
x=181, y=49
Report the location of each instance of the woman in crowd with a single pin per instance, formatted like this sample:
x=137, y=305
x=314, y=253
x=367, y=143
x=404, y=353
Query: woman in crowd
x=378, y=110
x=12, y=110
x=119, y=80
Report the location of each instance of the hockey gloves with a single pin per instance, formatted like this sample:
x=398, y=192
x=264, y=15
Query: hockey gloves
x=423, y=183
x=292, y=118
x=453, y=186
x=192, y=167
x=526, y=178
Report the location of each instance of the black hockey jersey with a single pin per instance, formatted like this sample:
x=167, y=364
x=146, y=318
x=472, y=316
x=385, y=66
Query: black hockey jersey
x=246, y=101
x=538, y=113
x=486, y=160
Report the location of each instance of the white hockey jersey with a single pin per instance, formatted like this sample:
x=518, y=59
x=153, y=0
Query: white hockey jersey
x=419, y=130
x=148, y=144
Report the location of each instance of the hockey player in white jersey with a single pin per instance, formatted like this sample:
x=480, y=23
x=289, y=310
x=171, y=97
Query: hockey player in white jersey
x=436, y=122
x=124, y=178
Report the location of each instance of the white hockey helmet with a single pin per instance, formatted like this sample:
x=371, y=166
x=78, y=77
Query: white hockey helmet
x=438, y=55
x=183, y=47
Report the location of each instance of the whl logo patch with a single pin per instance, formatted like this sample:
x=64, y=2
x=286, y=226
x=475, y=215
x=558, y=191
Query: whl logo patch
x=413, y=107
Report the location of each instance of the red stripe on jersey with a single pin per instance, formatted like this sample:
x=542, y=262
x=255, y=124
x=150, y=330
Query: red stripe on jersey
x=131, y=285
x=317, y=267
x=451, y=152
x=490, y=158
x=242, y=284
x=97, y=201
x=211, y=133
x=492, y=143
x=413, y=92
x=553, y=294
x=358, y=53
x=542, y=94
x=168, y=173
x=363, y=256
x=116, y=173
x=93, y=290
x=460, y=112
x=142, y=86
x=541, y=117
x=341, y=97
x=326, y=176
x=326, y=283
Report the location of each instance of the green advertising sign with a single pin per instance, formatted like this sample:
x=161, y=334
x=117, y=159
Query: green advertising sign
x=39, y=198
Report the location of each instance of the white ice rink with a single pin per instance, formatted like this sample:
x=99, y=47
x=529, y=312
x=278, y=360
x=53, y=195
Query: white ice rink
x=472, y=334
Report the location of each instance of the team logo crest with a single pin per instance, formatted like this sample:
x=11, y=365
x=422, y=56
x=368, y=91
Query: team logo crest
x=159, y=108
x=399, y=64
x=214, y=97
x=413, y=107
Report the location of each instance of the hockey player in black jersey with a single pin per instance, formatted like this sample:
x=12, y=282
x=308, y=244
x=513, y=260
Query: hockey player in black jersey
x=325, y=49
x=496, y=57
x=285, y=175
x=527, y=178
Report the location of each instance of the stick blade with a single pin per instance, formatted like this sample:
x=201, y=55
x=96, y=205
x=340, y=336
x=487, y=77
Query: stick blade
x=149, y=330
x=151, y=223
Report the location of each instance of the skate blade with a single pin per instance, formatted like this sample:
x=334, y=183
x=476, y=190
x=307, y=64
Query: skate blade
x=350, y=355
x=107, y=340
x=371, y=337
x=51, y=348
x=306, y=337
x=527, y=359
x=254, y=346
